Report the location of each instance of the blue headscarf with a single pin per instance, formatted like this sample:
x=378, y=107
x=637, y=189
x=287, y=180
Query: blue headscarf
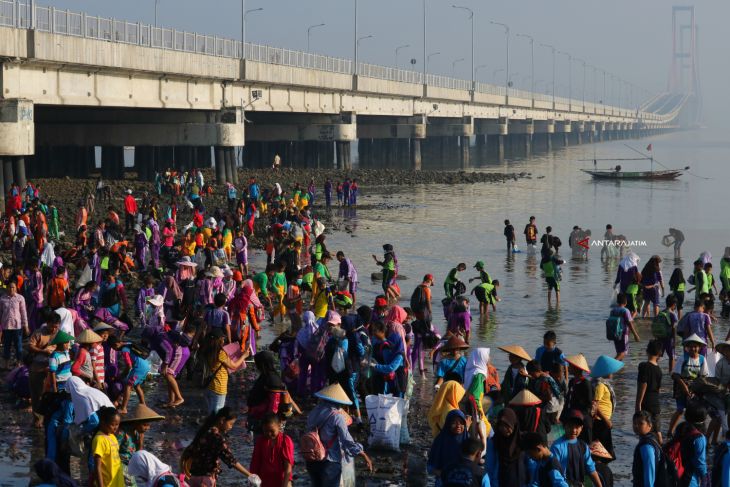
x=446, y=447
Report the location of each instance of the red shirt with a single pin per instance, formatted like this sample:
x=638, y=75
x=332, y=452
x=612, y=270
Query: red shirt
x=269, y=457
x=130, y=204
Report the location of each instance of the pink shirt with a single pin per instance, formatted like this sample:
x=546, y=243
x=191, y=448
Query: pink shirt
x=12, y=312
x=168, y=237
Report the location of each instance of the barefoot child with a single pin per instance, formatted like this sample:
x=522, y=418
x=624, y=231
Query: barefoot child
x=138, y=368
x=550, y=266
x=648, y=385
x=273, y=454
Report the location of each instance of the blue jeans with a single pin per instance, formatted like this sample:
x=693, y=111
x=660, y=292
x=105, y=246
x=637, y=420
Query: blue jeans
x=324, y=473
x=13, y=338
x=216, y=402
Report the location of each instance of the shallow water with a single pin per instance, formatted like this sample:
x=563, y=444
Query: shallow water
x=435, y=227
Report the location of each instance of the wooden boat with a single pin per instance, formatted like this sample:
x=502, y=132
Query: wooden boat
x=617, y=173
x=644, y=175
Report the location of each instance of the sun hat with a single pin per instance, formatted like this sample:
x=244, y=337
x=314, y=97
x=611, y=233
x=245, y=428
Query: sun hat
x=62, y=337
x=129, y=191
x=479, y=264
x=693, y=338
x=227, y=272
x=517, y=351
x=102, y=327
x=574, y=414
x=380, y=303
x=333, y=317
x=237, y=276
x=156, y=300
x=455, y=343
x=334, y=393
x=142, y=413
x=578, y=361
x=214, y=271
x=186, y=261
x=525, y=398
x=428, y=277
x=606, y=366
x=598, y=450
x=88, y=336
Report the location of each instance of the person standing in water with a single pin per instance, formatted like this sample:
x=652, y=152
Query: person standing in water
x=531, y=233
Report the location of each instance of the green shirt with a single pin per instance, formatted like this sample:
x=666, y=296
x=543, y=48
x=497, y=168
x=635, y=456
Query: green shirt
x=279, y=280
x=322, y=270
x=549, y=268
x=263, y=282
x=484, y=276
x=308, y=278
x=453, y=276
x=702, y=283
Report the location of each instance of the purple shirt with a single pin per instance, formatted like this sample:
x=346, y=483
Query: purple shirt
x=694, y=322
x=624, y=278
x=347, y=270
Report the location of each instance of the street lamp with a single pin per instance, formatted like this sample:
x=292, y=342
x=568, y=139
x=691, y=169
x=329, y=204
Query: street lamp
x=425, y=62
x=309, y=32
x=471, y=17
x=357, y=47
x=506, y=32
x=476, y=70
x=570, y=76
x=396, y=52
x=532, y=61
x=243, y=24
x=552, y=48
x=453, y=66
x=156, y=2
x=584, y=81
x=428, y=58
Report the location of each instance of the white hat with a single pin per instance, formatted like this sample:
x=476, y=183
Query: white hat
x=129, y=191
x=186, y=261
x=214, y=271
x=693, y=338
x=156, y=300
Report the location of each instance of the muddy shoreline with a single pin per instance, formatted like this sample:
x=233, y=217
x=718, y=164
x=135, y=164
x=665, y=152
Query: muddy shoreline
x=21, y=445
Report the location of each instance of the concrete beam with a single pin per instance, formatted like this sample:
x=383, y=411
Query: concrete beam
x=544, y=126
x=450, y=128
x=394, y=131
x=185, y=134
x=17, y=128
x=492, y=127
x=562, y=126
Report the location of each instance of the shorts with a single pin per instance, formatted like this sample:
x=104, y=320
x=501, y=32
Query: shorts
x=352, y=287
x=652, y=295
x=668, y=346
x=241, y=258
x=137, y=376
x=552, y=284
x=179, y=359
x=681, y=404
x=622, y=346
x=680, y=299
x=482, y=296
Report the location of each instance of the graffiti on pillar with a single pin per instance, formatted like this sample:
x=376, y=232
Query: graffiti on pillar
x=326, y=132
x=25, y=114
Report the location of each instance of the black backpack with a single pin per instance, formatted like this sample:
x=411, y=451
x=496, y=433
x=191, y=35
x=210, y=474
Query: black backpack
x=665, y=470
x=418, y=299
x=462, y=474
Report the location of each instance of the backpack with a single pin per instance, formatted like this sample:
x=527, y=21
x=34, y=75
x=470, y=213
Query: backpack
x=418, y=299
x=311, y=446
x=661, y=326
x=317, y=344
x=675, y=450
x=720, y=452
x=460, y=475
x=140, y=350
x=614, y=328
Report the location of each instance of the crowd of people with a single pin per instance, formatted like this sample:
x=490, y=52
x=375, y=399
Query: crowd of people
x=150, y=292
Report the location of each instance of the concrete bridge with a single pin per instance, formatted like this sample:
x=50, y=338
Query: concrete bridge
x=71, y=82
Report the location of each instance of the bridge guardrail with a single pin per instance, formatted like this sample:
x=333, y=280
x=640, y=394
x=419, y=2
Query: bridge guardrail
x=17, y=13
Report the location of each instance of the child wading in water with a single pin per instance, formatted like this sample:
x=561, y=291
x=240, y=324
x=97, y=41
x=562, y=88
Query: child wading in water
x=550, y=266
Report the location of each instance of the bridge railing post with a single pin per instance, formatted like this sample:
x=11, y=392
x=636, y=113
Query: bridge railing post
x=52, y=19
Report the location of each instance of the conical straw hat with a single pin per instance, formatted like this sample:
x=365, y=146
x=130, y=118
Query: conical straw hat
x=525, y=398
x=88, y=336
x=455, y=343
x=598, y=450
x=144, y=414
x=516, y=350
x=334, y=393
x=578, y=361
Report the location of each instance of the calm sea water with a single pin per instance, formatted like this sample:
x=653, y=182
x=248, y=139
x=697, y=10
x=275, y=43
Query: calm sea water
x=435, y=227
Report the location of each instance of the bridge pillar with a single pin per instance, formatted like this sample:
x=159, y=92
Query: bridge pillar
x=495, y=146
x=8, y=173
x=416, y=160
x=2, y=185
x=220, y=165
x=19, y=170
x=404, y=153
x=464, y=152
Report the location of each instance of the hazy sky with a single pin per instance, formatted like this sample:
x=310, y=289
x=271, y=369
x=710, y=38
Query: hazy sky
x=630, y=38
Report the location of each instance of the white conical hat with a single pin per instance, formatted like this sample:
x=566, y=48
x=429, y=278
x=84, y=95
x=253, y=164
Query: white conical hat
x=334, y=393
x=693, y=338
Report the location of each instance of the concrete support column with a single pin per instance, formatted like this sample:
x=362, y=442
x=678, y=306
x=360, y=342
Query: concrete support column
x=340, y=155
x=19, y=170
x=2, y=185
x=8, y=172
x=229, y=163
x=495, y=146
x=220, y=165
x=542, y=142
x=464, y=152
x=415, y=153
x=480, y=144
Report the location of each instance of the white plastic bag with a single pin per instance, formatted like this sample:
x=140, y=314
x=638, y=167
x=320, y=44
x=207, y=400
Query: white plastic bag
x=385, y=415
x=713, y=357
x=338, y=360
x=155, y=363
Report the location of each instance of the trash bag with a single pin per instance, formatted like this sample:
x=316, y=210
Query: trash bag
x=385, y=415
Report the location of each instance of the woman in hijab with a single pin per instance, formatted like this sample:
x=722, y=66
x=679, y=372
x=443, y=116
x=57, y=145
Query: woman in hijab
x=447, y=399
x=268, y=394
x=243, y=309
x=149, y=471
x=395, y=319
x=505, y=462
x=627, y=268
x=86, y=400
x=446, y=447
x=476, y=379
x=390, y=370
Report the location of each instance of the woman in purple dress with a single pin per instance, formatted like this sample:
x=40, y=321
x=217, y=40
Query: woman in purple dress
x=651, y=282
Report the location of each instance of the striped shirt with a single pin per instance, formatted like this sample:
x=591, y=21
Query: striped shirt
x=60, y=365
x=97, y=359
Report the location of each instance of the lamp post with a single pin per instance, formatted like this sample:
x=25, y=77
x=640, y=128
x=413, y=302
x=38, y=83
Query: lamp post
x=396, y=52
x=357, y=47
x=309, y=32
x=552, y=48
x=425, y=61
x=532, y=63
x=506, y=33
x=156, y=2
x=243, y=29
x=584, y=81
x=471, y=17
x=453, y=66
x=428, y=58
x=570, y=75
x=476, y=70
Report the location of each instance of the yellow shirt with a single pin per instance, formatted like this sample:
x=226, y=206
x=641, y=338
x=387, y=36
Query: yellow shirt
x=207, y=233
x=603, y=401
x=219, y=384
x=321, y=305
x=107, y=448
x=188, y=248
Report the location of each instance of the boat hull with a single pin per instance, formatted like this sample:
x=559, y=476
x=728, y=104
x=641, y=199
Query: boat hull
x=634, y=175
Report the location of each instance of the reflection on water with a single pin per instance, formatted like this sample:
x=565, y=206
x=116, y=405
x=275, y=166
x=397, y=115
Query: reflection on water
x=435, y=227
